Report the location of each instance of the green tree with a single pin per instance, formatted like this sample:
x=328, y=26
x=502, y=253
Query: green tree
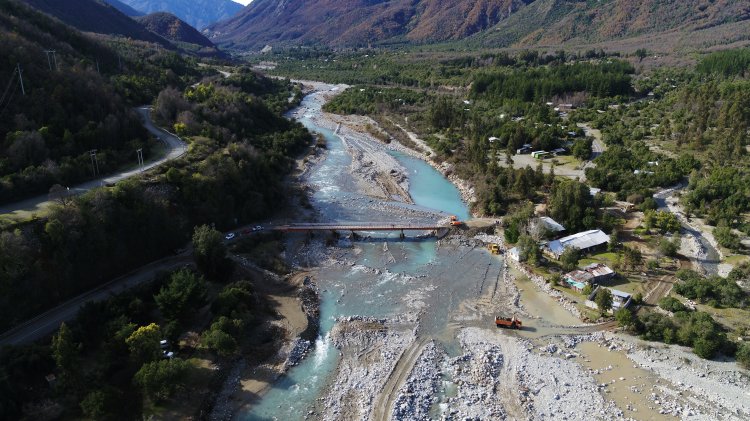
x=726, y=238
x=100, y=403
x=569, y=258
x=625, y=318
x=587, y=290
x=221, y=342
x=185, y=293
x=743, y=355
x=528, y=250
x=210, y=253
x=569, y=203
x=671, y=304
x=632, y=258
x=66, y=353
x=603, y=299
x=555, y=279
x=160, y=379
x=668, y=248
x=144, y=343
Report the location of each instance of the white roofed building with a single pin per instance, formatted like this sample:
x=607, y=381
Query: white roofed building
x=586, y=242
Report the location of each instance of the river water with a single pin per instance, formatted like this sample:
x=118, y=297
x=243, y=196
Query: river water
x=387, y=277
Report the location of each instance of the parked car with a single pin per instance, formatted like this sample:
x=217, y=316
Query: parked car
x=229, y=236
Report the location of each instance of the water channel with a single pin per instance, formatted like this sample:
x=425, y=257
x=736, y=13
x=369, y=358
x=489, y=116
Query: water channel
x=389, y=278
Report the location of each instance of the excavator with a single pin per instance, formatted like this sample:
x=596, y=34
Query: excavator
x=455, y=222
x=509, y=322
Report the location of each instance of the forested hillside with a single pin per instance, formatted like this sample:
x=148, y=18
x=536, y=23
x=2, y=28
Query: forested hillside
x=75, y=101
x=662, y=25
x=97, y=16
x=180, y=33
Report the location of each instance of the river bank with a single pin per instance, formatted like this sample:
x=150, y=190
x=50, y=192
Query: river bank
x=406, y=326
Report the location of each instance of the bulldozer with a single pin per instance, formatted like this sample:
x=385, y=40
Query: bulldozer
x=493, y=248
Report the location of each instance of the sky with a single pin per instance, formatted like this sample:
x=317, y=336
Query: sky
x=245, y=2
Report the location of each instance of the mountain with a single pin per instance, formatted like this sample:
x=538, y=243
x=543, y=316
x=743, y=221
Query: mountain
x=359, y=22
x=97, y=16
x=198, y=13
x=556, y=22
x=174, y=29
x=124, y=8
x=180, y=33
x=486, y=23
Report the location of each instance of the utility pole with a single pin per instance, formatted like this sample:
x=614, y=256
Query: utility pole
x=97, y=67
x=23, y=91
x=54, y=58
x=140, y=158
x=94, y=162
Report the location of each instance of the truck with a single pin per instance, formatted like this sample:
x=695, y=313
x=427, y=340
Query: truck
x=509, y=322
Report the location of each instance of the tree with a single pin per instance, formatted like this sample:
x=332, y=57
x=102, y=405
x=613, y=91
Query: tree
x=671, y=304
x=160, y=379
x=569, y=203
x=185, y=292
x=587, y=290
x=632, y=258
x=726, y=238
x=99, y=404
x=743, y=355
x=528, y=250
x=603, y=299
x=641, y=53
x=144, y=343
x=221, y=342
x=668, y=248
x=624, y=318
x=210, y=253
x=555, y=279
x=66, y=352
x=569, y=258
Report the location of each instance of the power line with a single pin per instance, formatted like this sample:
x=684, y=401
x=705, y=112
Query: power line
x=20, y=78
x=10, y=82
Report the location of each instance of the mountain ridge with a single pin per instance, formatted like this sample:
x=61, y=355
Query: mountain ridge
x=483, y=23
x=198, y=13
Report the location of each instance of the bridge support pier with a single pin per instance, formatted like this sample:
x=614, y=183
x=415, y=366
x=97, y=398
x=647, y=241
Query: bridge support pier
x=355, y=236
x=402, y=236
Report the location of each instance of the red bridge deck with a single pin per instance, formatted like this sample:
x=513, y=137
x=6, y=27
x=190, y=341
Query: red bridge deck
x=355, y=227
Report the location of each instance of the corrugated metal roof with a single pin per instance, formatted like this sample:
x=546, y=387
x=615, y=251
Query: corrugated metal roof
x=598, y=269
x=581, y=241
x=551, y=224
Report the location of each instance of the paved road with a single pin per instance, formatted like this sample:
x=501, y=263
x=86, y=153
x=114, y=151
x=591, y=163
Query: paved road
x=176, y=148
x=48, y=322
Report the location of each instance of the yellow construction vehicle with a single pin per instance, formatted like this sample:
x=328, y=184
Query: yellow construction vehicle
x=493, y=248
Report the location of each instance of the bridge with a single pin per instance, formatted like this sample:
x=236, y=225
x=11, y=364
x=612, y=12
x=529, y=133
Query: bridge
x=360, y=226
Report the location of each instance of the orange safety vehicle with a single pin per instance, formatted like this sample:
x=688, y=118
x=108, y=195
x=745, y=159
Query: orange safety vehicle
x=455, y=222
x=509, y=322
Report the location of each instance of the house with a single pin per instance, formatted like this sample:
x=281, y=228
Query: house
x=578, y=279
x=523, y=150
x=620, y=299
x=592, y=274
x=586, y=242
x=551, y=225
x=600, y=272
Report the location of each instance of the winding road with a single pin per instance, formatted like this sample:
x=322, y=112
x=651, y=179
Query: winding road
x=48, y=322
x=175, y=148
